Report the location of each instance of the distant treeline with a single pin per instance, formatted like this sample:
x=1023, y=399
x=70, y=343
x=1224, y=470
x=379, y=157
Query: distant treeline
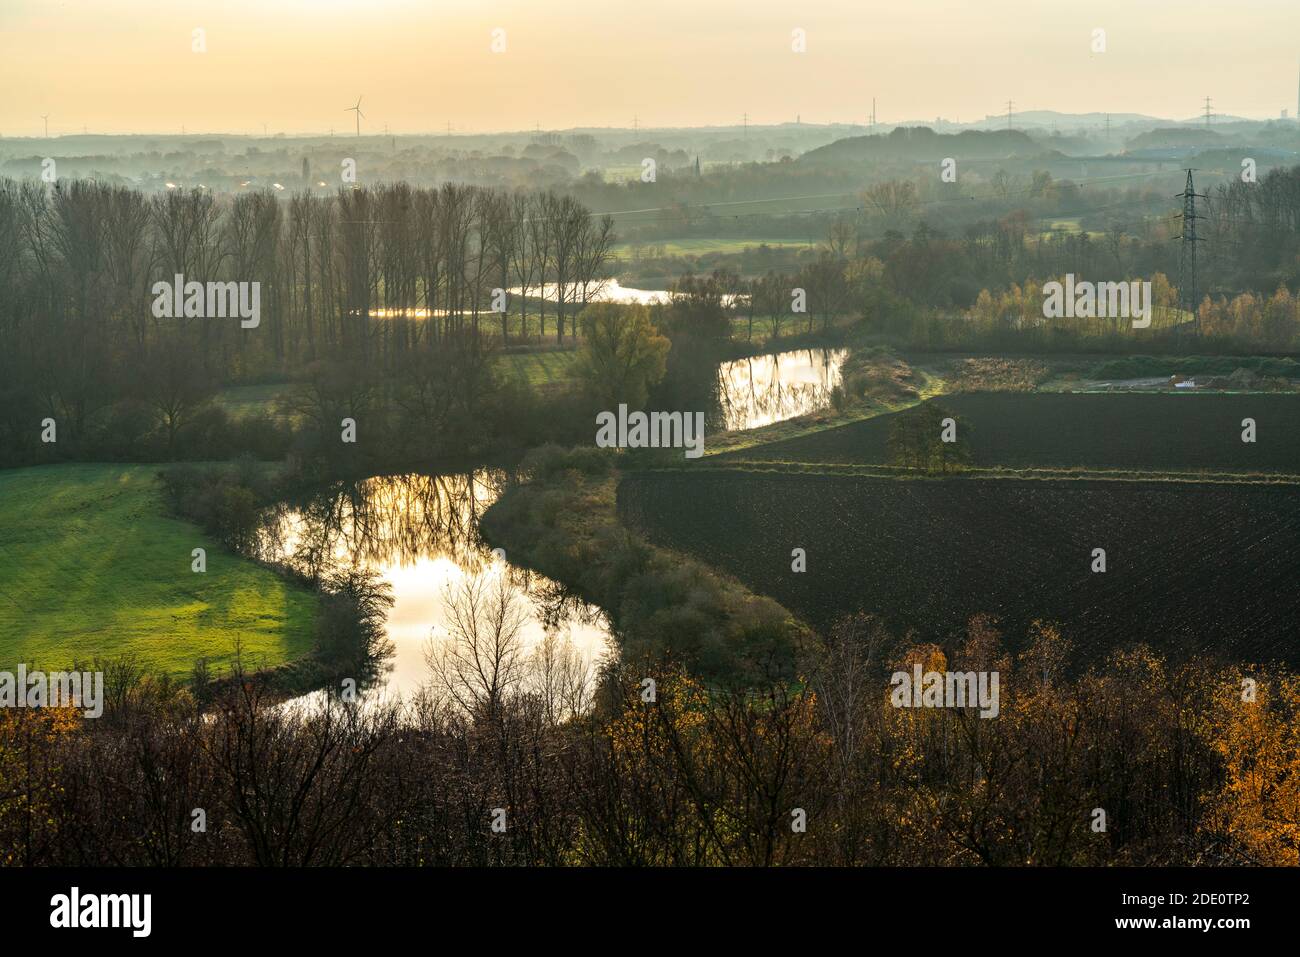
x=79, y=261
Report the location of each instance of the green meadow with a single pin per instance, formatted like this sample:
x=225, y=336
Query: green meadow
x=701, y=246
x=92, y=565
x=541, y=368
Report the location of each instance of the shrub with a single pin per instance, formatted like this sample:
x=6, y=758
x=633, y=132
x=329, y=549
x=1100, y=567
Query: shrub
x=224, y=500
x=544, y=462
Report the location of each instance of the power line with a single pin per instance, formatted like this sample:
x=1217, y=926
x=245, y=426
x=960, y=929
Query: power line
x=1189, y=239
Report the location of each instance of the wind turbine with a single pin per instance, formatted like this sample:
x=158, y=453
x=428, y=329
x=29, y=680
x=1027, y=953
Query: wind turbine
x=357, y=109
x=46, y=118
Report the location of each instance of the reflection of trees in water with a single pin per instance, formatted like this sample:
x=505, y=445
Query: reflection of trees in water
x=398, y=519
x=385, y=520
x=752, y=390
x=747, y=392
x=557, y=605
x=481, y=665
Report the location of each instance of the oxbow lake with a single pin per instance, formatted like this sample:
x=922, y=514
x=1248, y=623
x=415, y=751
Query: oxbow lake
x=420, y=533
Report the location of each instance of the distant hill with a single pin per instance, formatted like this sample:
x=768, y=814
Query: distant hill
x=1175, y=138
x=1065, y=122
x=922, y=144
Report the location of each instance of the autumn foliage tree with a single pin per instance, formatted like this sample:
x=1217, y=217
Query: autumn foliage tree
x=623, y=355
x=1254, y=727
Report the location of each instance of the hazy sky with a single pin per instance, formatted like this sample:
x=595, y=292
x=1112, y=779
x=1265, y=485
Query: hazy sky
x=127, y=65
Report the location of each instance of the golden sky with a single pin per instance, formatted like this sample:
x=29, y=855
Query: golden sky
x=294, y=65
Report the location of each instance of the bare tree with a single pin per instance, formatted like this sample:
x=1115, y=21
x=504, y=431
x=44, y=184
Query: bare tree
x=560, y=678
x=523, y=252
x=571, y=219
x=595, y=245
x=172, y=380
x=480, y=663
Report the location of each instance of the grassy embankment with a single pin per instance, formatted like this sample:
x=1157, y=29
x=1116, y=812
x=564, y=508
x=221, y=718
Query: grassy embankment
x=91, y=565
x=564, y=523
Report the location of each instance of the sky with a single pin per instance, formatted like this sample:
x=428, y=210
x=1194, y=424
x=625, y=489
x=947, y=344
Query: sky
x=124, y=66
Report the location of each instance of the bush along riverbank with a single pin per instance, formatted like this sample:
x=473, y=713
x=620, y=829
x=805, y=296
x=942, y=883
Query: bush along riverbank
x=561, y=520
x=349, y=646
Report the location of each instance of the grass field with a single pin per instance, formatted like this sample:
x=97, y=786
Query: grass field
x=90, y=564
x=546, y=367
x=1190, y=567
x=539, y=368
x=699, y=247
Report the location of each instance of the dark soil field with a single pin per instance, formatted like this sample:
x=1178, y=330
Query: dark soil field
x=1191, y=567
x=1178, y=433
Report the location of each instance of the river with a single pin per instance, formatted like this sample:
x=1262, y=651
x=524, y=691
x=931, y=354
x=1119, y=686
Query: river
x=420, y=535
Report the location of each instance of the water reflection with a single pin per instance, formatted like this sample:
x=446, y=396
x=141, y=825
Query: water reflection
x=420, y=534
x=610, y=290
x=574, y=294
x=764, y=389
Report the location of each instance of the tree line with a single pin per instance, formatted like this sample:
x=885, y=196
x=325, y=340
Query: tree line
x=391, y=281
x=77, y=262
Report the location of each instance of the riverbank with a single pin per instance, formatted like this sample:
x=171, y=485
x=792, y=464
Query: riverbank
x=563, y=522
